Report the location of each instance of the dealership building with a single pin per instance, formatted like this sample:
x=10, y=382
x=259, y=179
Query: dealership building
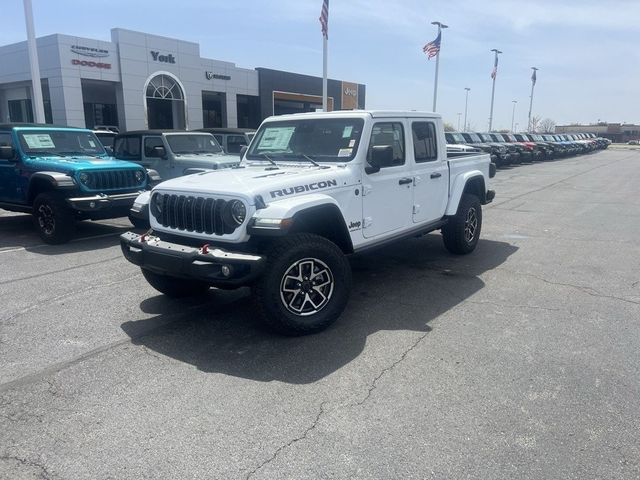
x=139, y=81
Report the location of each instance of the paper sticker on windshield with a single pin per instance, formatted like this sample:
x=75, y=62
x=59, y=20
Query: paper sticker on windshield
x=38, y=140
x=352, y=143
x=345, y=152
x=346, y=133
x=276, y=138
x=92, y=144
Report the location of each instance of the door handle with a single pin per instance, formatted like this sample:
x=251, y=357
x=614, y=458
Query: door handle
x=436, y=175
x=405, y=181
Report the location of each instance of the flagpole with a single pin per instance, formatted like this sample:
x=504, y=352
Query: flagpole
x=533, y=84
x=38, y=106
x=441, y=26
x=324, y=73
x=466, y=107
x=493, y=88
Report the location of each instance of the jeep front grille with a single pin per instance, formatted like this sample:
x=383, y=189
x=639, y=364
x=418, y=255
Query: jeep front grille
x=111, y=179
x=192, y=214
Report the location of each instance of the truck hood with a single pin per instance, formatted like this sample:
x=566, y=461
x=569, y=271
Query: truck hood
x=74, y=164
x=208, y=160
x=262, y=179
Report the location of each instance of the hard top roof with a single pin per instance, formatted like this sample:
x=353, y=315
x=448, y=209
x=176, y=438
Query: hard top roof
x=160, y=132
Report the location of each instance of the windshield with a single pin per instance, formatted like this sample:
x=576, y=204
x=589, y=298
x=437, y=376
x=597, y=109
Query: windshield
x=472, y=137
x=193, y=143
x=60, y=142
x=486, y=137
x=321, y=139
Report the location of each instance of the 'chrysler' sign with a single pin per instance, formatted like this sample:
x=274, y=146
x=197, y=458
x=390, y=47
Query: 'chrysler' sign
x=89, y=52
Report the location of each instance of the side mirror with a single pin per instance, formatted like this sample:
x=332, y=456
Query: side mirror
x=7, y=152
x=243, y=150
x=159, y=152
x=381, y=156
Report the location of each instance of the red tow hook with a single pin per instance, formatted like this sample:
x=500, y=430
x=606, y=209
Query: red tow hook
x=143, y=237
x=205, y=249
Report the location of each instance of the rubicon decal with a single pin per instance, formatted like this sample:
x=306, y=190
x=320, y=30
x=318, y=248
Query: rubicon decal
x=303, y=188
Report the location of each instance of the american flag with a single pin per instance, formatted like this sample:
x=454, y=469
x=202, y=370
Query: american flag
x=533, y=77
x=432, y=48
x=324, y=19
x=494, y=72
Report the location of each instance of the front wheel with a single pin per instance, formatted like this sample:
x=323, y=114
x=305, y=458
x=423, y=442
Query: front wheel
x=139, y=223
x=305, y=286
x=462, y=232
x=175, y=287
x=53, y=219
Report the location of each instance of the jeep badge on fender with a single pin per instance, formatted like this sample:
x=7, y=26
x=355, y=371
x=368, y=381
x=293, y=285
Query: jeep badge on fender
x=285, y=220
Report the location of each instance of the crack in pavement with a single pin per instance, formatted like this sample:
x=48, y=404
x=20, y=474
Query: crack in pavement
x=373, y=385
x=47, y=302
x=52, y=272
x=290, y=443
x=44, y=473
x=582, y=288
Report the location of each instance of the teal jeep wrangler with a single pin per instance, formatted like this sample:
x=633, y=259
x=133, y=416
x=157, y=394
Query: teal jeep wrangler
x=61, y=175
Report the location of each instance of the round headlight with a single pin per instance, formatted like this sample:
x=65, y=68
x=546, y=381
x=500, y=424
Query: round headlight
x=238, y=211
x=139, y=176
x=156, y=204
x=84, y=178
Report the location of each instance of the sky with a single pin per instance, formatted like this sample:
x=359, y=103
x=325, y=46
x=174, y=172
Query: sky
x=586, y=50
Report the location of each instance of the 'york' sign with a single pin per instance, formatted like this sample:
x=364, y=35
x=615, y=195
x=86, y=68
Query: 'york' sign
x=163, y=58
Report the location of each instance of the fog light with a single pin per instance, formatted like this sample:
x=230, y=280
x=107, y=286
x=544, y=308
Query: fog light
x=226, y=270
x=92, y=204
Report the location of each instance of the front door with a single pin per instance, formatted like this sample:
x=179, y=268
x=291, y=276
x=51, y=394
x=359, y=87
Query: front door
x=388, y=193
x=9, y=173
x=431, y=174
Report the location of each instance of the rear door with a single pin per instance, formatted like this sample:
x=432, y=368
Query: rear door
x=387, y=194
x=430, y=175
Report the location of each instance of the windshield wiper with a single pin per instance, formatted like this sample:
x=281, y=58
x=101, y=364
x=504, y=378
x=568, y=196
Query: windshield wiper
x=84, y=154
x=310, y=159
x=267, y=157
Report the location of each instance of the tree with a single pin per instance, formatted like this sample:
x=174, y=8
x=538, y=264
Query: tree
x=535, y=123
x=547, y=126
x=448, y=127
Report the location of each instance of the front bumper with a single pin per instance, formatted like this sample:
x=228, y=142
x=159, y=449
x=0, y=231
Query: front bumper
x=203, y=263
x=101, y=202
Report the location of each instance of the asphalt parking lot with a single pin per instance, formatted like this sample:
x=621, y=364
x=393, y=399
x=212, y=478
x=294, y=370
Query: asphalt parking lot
x=518, y=361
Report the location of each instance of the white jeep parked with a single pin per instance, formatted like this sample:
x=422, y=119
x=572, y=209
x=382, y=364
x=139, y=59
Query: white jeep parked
x=311, y=189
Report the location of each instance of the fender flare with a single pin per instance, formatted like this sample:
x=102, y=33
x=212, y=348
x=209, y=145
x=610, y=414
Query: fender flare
x=458, y=188
x=56, y=180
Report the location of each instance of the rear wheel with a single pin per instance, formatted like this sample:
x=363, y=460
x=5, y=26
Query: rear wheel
x=53, y=219
x=305, y=286
x=175, y=287
x=462, y=231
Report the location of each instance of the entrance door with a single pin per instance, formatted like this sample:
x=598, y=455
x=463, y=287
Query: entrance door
x=160, y=113
x=388, y=193
x=165, y=103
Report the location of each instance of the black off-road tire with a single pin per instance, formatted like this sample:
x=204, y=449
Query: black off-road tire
x=53, y=218
x=462, y=231
x=175, y=287
x=319, y=303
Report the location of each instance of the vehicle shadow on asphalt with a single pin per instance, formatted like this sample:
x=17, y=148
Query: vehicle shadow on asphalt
x=400, y=287
x=17, y=231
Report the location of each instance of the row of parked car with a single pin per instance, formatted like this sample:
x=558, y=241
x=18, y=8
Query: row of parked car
x=509, y=148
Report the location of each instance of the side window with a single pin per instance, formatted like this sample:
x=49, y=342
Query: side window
x=425, y=146
x=128, y=148
x=388, y=134
x=235, y=143
x=150, y=143
x=6, y=140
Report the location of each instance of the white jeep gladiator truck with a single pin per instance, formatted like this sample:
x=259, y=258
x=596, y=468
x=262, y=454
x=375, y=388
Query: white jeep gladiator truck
x=310, y=190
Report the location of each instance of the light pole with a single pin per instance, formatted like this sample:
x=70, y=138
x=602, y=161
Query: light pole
x=459, y=120
x=466, y=107
x=441, y=26
x=513, y=115
x=38, y=105
x=533, y=84
x=494, y=74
